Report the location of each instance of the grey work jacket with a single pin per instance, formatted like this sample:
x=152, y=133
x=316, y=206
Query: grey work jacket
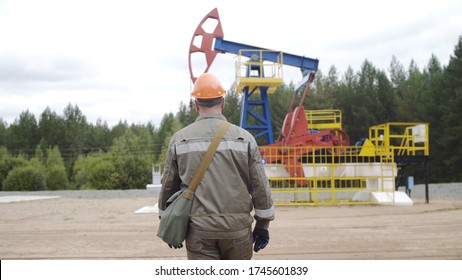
x=233, y=186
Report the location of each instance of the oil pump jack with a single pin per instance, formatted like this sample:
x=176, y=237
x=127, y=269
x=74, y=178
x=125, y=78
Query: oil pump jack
x=256, y=82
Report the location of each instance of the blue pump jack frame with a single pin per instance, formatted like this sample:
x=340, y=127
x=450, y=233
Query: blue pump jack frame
x=259, y=109
x=302, y=62
x=250, y=107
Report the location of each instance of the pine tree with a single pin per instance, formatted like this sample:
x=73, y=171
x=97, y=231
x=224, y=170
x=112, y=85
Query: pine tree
x=451, y=137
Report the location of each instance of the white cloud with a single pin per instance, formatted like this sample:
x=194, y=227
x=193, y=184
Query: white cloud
x=128, y=60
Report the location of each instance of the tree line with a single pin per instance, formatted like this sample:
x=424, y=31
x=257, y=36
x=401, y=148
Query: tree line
x=67, y=152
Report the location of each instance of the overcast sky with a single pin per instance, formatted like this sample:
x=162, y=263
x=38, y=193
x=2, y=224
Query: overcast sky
x=128, y=60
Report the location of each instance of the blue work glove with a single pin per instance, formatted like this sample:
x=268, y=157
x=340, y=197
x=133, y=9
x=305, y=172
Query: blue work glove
x=175, y=246
x=260, y=238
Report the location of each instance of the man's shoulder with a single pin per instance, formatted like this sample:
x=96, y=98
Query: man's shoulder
x=240, y=132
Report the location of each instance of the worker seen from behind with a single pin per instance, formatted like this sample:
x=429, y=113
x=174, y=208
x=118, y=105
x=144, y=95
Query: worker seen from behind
x=233, y=186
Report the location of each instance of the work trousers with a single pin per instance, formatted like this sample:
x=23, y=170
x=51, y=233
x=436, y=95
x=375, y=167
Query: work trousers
x=219, y=249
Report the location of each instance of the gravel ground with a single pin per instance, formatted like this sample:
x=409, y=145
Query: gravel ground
x=104, y=225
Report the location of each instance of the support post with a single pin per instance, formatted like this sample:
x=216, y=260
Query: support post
x=427, y=196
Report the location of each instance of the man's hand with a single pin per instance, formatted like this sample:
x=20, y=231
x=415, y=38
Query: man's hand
x=260, y=238
x=175, y=246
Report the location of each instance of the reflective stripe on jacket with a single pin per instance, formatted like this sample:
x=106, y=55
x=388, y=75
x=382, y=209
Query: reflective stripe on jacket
x=234, y=184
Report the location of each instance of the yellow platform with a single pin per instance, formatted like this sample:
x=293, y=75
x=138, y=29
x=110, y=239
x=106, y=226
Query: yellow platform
x=271, y=83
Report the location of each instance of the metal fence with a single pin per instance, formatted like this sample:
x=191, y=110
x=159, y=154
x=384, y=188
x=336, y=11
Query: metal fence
x=328, y=178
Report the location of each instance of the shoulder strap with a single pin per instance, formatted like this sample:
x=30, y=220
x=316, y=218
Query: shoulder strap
x=208, y=157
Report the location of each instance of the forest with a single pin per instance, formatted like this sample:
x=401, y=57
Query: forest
x=65, y=152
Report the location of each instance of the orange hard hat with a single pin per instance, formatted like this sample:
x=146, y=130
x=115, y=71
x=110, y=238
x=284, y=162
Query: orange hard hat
x=207, y=86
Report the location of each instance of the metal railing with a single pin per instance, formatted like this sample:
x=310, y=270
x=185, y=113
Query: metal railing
x=326, y=177
x=406, y=138
x=256, y=72
x=323, y=119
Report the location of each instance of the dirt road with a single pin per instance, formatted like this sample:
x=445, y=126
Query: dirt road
x=108, y=228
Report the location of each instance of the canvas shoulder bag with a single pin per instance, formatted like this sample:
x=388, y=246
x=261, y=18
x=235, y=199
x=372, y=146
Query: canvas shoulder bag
x=174, y=220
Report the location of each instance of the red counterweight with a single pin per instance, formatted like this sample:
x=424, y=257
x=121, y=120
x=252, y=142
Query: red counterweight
x=296, y=134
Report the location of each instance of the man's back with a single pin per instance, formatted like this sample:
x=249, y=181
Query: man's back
x=222, y=204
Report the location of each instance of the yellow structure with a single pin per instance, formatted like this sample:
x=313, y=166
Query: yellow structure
x=406, y=138
x=360, y=175
x=323, y=119
x=262, y=73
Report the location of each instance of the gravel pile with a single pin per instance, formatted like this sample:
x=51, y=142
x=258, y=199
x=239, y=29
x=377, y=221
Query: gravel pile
x=436, y=191
x=90, y=194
